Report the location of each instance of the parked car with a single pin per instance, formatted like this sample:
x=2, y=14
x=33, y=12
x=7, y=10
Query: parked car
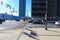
x=0, y=21
x=17, y=19
x=3, y=20
x=31, y=20
x=38, y=21
x=57, y=23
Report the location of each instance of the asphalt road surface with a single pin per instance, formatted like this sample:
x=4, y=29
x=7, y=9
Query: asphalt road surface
x=12, y=24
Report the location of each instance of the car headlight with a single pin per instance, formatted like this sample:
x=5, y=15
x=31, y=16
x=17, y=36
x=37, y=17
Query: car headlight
x=56, y=22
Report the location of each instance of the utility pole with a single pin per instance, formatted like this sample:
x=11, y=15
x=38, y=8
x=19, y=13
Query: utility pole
x=1, y=2
x=27, y=13
x=46, y=15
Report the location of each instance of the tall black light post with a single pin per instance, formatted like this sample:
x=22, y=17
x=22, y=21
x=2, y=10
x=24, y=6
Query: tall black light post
x=27, y=13
x=1, y=2
x=46, y=15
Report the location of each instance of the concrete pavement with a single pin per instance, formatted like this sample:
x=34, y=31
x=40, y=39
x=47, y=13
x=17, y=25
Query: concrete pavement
x=13, y=34
x=8, y=35
x=50, y=34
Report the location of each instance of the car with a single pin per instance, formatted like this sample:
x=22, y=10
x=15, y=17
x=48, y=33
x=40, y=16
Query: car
x=38, y=21
x=17, y=19
x=3, y=20
x=31, y=20
x=57, y=23
x=0, y=21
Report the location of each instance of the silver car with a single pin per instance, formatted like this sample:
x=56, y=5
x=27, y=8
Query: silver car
x=57, y=23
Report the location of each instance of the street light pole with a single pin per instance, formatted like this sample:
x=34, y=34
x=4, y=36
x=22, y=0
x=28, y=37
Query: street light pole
x=27, y=13
x=1, y=2
x=46, y=15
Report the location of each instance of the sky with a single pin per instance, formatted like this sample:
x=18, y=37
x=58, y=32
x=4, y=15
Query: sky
x=15, y=4
x=12, y=3
x=28, y=8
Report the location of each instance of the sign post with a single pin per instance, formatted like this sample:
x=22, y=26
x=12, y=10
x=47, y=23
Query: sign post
x=46, y=15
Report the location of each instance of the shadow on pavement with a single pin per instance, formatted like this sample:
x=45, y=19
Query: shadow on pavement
x=53, y=31
x=49, y=35
x=30, y=36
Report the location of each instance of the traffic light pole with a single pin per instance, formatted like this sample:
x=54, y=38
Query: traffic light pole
x=46, y=15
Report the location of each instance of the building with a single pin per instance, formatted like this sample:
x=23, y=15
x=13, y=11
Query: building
x=39, y=9
x=58, y=9
x=7, y=16
x=22, y=8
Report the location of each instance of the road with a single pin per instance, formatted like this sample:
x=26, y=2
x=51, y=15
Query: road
x=12, y=24
x=10, y=29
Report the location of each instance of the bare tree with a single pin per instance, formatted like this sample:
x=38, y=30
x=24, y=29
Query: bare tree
x=8, y=6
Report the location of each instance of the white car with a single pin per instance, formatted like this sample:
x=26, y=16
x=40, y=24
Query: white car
x=57, y=23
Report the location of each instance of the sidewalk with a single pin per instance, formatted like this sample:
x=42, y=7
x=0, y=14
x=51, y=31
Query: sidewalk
x=50, y=34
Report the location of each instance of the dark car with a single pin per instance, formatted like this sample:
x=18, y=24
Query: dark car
x=17, y=19
x=31, y=20
x=3, y=20
x=0, y=21
x=38, y=21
